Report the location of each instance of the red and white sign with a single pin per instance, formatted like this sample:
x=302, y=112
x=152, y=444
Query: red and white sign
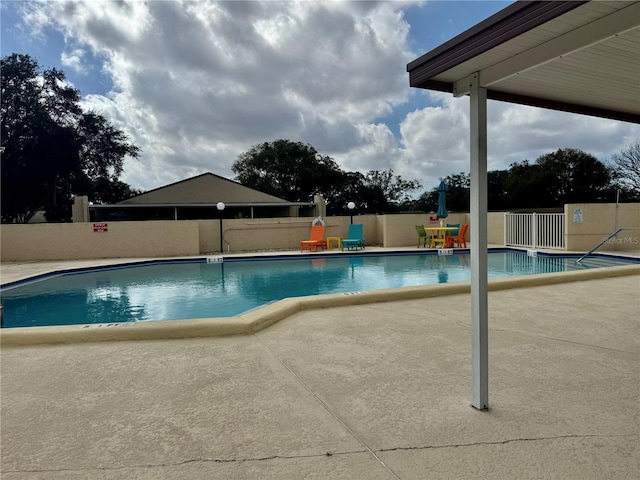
x=100, y=227
x=433, y=219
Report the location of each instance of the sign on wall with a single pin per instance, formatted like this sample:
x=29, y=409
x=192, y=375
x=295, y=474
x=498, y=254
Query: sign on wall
x=100, y=227
x=577, y=215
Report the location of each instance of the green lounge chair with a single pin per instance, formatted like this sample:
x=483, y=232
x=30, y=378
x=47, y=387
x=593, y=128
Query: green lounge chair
x=354, y=239
x=422, y=236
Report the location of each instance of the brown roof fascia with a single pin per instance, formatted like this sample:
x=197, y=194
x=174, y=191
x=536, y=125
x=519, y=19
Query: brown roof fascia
x=541, y=102
x=437, y=85
x=514, y=20
x=563, y=106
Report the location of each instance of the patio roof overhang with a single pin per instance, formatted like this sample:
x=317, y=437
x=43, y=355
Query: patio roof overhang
x=574, y=56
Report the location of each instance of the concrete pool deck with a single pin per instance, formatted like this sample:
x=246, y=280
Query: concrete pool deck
x=372, y=391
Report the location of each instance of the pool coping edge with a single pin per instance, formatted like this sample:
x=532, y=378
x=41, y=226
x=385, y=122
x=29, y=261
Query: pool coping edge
x=263, y=317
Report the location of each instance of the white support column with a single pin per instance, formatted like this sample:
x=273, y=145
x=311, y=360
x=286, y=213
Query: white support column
x=478, y=232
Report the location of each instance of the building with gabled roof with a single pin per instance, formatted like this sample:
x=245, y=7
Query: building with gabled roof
x=205, y=196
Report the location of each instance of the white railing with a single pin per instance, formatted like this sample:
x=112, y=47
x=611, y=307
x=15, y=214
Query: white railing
x=534, y=230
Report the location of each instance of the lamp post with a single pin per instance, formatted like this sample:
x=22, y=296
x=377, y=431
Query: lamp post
x=220, y=206
x=351, y=206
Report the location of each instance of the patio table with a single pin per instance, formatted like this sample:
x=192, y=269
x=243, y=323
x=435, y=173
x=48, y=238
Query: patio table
x=438, y=234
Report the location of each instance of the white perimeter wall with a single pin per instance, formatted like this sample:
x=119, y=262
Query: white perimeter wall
x=68, y=241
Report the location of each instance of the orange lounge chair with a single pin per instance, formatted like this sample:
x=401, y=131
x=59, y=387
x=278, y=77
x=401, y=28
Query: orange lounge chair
x=457, y=239
x=316, y=239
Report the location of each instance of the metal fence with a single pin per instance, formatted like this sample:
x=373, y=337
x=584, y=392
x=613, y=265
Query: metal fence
x=534, y=230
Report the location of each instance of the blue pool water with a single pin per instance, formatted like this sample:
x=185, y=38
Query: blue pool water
x=196, y=289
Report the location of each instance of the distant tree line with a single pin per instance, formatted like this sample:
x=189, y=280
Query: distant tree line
x=296, y=171
x=564, y=176
x=51, y=148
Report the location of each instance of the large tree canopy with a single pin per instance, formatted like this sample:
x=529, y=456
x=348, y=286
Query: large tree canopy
x=296, y=171
x=51, y=148
x=291, y=170
x=565, y=176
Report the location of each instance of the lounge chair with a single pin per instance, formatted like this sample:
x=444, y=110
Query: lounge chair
x=422, y=236
x=354, y=239
x=316, y=239
x=457, y=239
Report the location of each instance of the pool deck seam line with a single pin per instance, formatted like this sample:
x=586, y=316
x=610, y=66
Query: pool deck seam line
x=327, y=408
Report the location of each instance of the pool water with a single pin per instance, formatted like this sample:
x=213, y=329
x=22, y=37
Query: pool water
x=166, y=291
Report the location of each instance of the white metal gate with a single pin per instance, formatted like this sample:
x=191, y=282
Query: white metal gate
x=534, y=230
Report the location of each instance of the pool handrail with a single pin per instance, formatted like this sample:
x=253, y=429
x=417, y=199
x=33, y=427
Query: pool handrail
x=600, y=244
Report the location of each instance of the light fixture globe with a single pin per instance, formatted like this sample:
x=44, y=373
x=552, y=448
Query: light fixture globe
x=220, y=206
x=351, y=206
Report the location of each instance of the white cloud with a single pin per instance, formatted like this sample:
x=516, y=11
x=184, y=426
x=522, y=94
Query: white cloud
x=74, y=60
x=195, y=84
x=436, y=138
x=198, y=83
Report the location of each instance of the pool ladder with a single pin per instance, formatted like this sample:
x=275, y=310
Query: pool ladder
x=600, y=244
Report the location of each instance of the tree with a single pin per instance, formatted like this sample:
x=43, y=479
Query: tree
x=496, y=190
x=427, y=202
x=290, y=170
x=574, y=176
x=27, y=134
x=458, y=192
x=110, y=191
x=379, y=191
x=52, y=149
x=296, y=171
x=353, y=190
x=565, y=176
x=394, y=188
x=102, y=152
x=458, y=195
x=525, y=186
x=625, y=167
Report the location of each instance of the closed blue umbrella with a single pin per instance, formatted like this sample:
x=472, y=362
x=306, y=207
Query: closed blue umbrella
x=442, y=200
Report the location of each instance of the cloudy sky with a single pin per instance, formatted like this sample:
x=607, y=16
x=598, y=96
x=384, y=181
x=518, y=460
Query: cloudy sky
x=196, y=83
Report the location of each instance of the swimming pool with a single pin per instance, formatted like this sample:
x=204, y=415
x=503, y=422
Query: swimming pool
x=167, y=290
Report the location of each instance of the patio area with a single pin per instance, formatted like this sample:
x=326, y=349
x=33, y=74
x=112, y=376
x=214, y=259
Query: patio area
x=370, y=391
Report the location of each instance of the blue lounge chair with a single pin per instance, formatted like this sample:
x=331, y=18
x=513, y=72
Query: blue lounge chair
x=354, y=239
